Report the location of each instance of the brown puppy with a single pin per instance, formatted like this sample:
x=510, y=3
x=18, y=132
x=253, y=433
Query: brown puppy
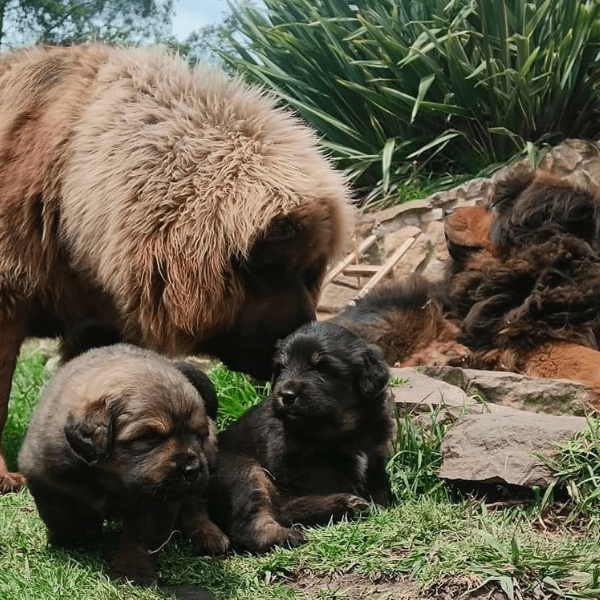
x=186, y=211
x=121, y=433
x=312, y=452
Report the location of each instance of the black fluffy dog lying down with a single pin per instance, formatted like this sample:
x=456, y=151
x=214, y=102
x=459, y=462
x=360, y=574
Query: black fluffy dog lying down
x=312, y=452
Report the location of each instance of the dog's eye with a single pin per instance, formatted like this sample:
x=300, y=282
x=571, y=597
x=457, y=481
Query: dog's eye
x=150, y=437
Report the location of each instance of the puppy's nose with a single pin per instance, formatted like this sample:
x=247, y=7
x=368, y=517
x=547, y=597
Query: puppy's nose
x=191, y=467
x=288, y=397
x=289, y=392
x=447, y=212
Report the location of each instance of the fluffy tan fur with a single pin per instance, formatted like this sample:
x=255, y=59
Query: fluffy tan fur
x=147, y=171
x=128, y=181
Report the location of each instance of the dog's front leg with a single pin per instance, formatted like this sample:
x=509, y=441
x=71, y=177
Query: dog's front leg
x=12, y=334
x=377, y=484
x=195, y=525
x=319, y=510
x=146, y=528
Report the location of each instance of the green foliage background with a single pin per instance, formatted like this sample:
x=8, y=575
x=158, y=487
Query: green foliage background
x=405, y=89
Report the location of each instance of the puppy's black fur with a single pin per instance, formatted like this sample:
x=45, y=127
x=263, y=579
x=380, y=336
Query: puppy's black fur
x=315, y=450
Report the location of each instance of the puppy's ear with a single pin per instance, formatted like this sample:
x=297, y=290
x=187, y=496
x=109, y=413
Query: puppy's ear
x=204, y=386
x=90, y=435
x=374, y=374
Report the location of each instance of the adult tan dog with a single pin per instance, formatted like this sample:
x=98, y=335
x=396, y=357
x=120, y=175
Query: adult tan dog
x=185, y=211
x=122, y=433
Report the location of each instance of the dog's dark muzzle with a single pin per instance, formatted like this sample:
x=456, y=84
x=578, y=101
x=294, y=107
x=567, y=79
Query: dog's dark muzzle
x=190, y=467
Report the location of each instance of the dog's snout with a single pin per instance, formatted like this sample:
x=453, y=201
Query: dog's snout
x=288, y=397
x=190, y=466
x=447, y=212
x=289, y=392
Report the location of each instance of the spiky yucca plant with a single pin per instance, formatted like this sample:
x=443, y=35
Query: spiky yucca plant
x=405, y=88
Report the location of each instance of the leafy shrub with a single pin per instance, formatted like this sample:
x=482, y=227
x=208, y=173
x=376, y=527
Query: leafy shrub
x=405, y=88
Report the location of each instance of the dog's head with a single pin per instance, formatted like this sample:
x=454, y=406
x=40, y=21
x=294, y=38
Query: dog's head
x=143, y=429
x=328, y=383
x=279, y=282
x=525, y=208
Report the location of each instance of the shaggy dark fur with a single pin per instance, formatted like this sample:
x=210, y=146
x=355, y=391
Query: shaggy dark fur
x=539, y=281
x=315, y=450
x=121, y=434
x=523, y=285
x=408, y=323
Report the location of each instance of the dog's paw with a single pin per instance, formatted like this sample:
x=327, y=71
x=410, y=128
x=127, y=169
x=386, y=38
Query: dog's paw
x=295, y=538
x=11, y=482
x=145, y=577
x=347, y=505
x=355, y=502
x=210, y=541
x=272, y=535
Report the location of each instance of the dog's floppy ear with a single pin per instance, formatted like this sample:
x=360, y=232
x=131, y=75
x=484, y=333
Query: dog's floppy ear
x=89, y=435
x=204, y=386
x=374, y=374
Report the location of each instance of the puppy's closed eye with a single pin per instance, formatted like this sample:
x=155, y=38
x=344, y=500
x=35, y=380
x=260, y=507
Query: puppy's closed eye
x=150, y=436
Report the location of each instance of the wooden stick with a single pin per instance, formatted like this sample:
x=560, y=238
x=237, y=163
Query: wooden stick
x=335, y=271
x=386, y=267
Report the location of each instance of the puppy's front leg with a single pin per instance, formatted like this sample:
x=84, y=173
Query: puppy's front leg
x=247, y=493
x=319, y=510
x=195, y=525
x=377, y=484
x=70, y=520
x=146, y=528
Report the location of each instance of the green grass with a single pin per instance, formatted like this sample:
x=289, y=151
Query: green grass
x=436, y=539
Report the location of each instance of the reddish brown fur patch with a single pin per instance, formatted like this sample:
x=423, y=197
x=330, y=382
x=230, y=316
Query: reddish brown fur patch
x=411, y=336
x=469, y=227
x=567, y=361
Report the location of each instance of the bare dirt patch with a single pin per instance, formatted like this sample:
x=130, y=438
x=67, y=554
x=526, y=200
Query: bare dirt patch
x=355, y=586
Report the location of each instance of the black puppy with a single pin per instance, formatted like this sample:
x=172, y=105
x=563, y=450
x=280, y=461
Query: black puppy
x=312, y=452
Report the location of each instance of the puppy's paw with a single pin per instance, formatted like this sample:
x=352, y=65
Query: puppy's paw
x=272, y=535
x=145, y=577
x=210, y=540
x=295, y=538
x=356, y=502
x=347, y=505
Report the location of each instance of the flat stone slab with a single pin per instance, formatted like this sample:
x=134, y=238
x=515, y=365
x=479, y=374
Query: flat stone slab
x=501, y=448
x=535, y=394
x=421, y=392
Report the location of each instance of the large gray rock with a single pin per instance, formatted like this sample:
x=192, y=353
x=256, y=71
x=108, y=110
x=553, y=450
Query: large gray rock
x=501, y=448
x=552, y=396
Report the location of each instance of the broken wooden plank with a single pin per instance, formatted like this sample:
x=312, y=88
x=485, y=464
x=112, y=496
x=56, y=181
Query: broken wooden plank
x=361, y=270
x=335, y=271
x=386, y=267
